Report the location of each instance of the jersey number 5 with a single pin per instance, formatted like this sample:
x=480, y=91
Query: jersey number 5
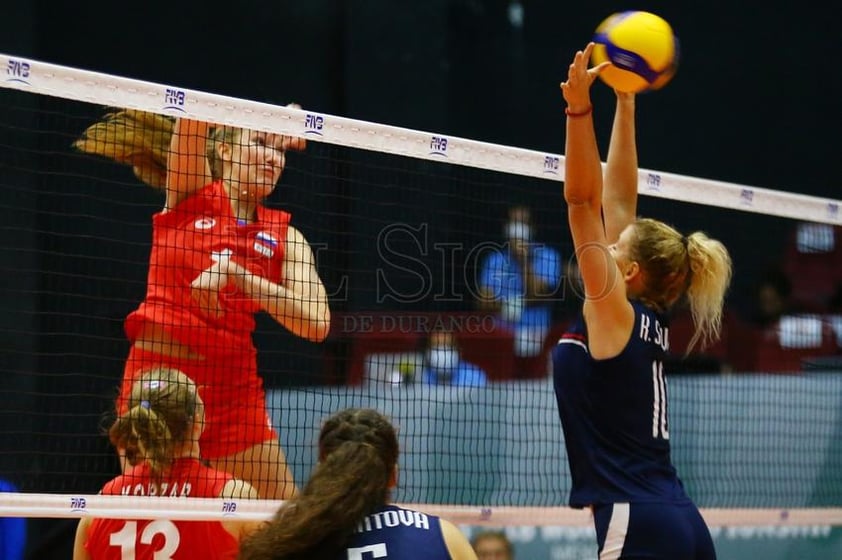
x=377, y=551
x=659, y=412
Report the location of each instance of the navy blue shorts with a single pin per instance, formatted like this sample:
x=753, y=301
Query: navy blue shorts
x=652, y=532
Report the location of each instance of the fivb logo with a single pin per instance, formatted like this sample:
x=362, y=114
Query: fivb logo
x=174, y=99
x=314, y=124
x=438, y=146
x=551, y=164
x=78, y=504
x=747, y=197
x=653, y=182
x=18, y=71
x=229, y=509
x=832, y=210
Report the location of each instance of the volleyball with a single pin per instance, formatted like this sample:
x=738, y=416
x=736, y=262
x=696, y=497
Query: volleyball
x=642, y=49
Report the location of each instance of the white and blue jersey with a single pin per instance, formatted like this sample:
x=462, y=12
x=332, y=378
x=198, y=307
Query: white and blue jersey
x=614, y=416
x=398, y=533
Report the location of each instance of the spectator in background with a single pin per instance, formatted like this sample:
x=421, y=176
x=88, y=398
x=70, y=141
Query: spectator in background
x=772, y=298
x=520, y=283
x=812, y=261
x=443, y=363
x=493, y=545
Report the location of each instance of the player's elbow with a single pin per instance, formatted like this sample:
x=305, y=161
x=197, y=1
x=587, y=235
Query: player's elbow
x=320, y=328
x=578, y=197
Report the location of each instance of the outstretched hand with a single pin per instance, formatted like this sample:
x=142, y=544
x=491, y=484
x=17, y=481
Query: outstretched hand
x=576, y=89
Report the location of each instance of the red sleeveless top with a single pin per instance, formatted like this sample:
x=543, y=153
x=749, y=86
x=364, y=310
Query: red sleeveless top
x=187, y=240
x=146, y=539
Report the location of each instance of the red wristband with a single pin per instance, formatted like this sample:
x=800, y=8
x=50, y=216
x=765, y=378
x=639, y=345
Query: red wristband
x=570, y=113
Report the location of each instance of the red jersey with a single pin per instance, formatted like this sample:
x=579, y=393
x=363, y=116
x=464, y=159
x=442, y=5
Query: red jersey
x=187, y=240
x=147, y=539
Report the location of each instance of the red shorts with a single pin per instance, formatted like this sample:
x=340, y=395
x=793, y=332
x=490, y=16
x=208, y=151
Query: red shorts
x=235, y=402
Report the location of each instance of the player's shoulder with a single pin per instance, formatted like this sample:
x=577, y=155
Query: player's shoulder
x=238, y=489
x=115, y=485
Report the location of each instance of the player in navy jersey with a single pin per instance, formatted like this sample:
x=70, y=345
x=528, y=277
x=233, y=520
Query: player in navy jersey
x=343, y=513
x=608, y=369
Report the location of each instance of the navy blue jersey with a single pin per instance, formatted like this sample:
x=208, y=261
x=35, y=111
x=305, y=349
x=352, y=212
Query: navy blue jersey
x=398, y=533
x=614, y=416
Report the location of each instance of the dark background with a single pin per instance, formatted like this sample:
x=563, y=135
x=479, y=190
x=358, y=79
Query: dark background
x=755, y=101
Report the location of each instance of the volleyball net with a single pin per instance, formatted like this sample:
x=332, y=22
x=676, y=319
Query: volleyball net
x=401, y=223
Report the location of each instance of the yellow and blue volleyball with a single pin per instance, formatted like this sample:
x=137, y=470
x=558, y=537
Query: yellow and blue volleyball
x=642, y=49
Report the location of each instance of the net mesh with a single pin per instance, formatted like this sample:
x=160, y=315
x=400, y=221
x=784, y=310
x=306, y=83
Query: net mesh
x=400, y=222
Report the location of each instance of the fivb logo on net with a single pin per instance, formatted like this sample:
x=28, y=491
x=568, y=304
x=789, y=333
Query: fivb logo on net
x=229, y=509
x=18, y=71
x=314, y=124
x=551, y=164
x=438, y=146
x=174, y=99
x=78, y=503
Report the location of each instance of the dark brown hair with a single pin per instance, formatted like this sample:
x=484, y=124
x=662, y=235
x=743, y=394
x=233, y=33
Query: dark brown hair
x=358, y=452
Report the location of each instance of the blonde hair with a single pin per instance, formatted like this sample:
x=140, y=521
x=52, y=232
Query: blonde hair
x=674, y=266
x=161, y=409
x=220, y=135
x=135, y=138
x=142, y=140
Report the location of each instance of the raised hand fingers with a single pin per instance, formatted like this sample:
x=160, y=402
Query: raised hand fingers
x=294, y=143
x=579, y=67
x=595, y=71
x=576, y=89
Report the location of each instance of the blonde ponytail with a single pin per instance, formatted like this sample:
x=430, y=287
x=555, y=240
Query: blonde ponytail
x=135, y=138
x=710, y=276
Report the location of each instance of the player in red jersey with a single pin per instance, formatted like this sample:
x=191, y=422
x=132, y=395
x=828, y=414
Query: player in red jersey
x=159, y=432
x=218, y=256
